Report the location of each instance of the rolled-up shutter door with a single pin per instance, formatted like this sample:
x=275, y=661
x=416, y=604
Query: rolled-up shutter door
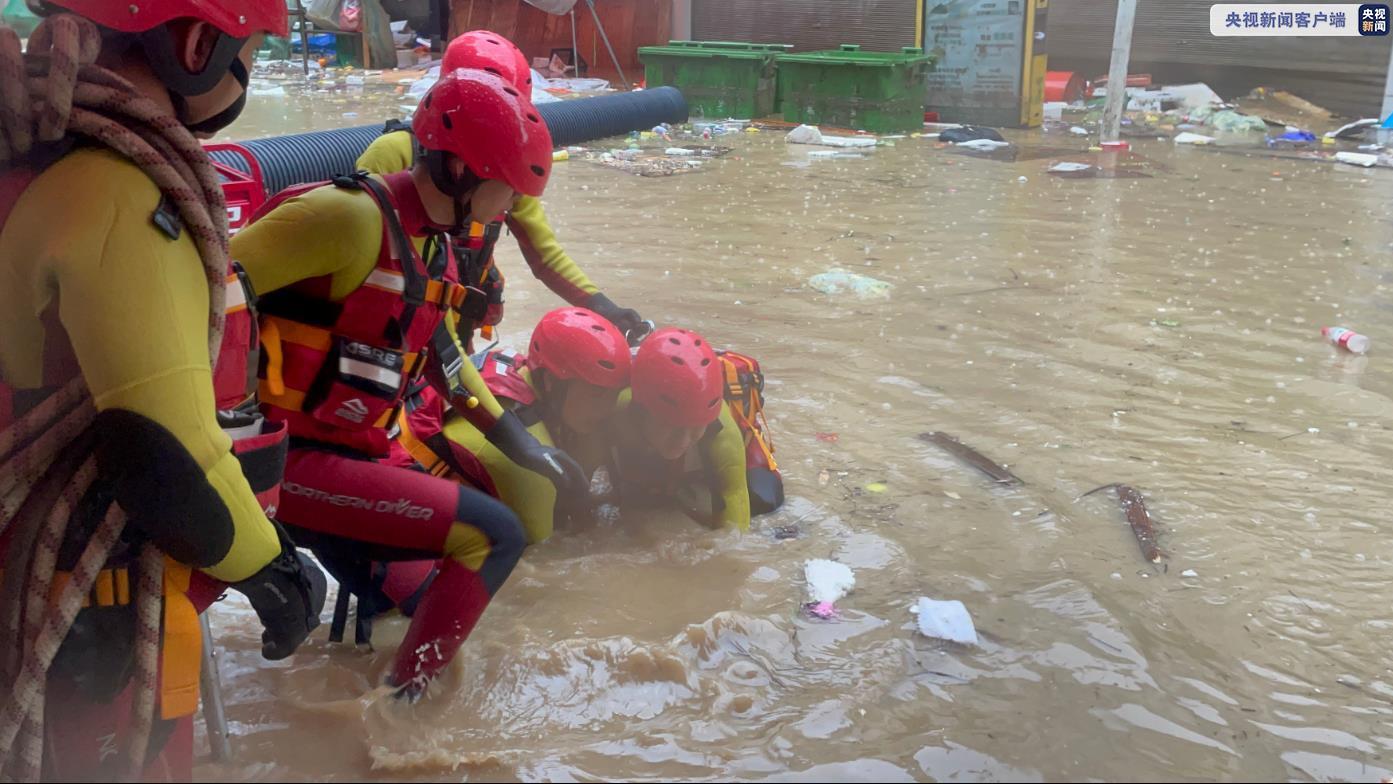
x=877, y=25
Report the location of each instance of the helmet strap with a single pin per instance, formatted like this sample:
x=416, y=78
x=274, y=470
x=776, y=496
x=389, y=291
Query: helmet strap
x=437, y=165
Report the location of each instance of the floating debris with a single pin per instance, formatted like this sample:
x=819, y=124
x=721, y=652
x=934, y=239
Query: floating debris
x=1134, y=506
x=971, y=456
x=827, y=582
x=945, y=620
x=838, y=281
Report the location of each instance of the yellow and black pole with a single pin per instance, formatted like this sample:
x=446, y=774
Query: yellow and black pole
x=919, y=23
x=1034, y=64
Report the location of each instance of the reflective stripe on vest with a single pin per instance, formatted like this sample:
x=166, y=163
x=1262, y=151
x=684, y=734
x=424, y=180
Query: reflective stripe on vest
x=342, y=382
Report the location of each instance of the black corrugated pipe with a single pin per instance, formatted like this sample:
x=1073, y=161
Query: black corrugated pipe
x=587, y=119
x=320, y=155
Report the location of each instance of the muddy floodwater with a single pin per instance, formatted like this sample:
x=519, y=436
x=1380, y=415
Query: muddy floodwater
x=1159, y=331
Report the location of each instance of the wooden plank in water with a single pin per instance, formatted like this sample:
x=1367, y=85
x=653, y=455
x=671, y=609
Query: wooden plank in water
x=1134, y=507
x=971, y=456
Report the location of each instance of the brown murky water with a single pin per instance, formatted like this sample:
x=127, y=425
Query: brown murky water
x=1162, y=332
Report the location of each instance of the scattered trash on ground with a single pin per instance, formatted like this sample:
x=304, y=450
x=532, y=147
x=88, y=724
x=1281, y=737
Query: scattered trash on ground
x=1354, y=130
x=1346, y=339
x=1193, y=138
x=1228, y=120
x=830, y=438
x=945, y=620
x=969, y=133
x=827, y=582
x=838, y=281
x=983, y=145
x=1069, y=167
x=1078, y=131
x=1134, y=507
x=654, y=162
x=972, y=457
x=1189, y=573
x=809, y=134
x=876, y=487
x=1292, y=138
x=823, y=155
x=1364, y=159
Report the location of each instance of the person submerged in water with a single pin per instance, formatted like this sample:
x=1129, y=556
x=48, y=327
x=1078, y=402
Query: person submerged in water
x=564, y=388
x=691, y=430
x=672, y=437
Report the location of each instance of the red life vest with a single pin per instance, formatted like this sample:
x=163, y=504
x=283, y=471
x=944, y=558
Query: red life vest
x=336, y=372
x=502, y=375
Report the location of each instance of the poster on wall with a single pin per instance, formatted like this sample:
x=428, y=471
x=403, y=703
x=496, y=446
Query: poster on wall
x=978, y=46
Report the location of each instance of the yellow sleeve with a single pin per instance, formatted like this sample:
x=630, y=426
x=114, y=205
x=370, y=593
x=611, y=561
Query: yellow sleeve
x=488, y=409
x=327, y=231
x=529, y=494
x=545, y=257
x=726, y=454
x=134, y=303
x=388, y=153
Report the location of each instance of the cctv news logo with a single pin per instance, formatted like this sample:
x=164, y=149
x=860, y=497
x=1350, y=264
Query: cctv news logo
x=1299, y=19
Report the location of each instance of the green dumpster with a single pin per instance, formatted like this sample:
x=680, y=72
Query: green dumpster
x=719, y=79
x=881, y=92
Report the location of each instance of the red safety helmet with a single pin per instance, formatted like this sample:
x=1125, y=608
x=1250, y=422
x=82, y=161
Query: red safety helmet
x=486, y=122
x=677, y=378
x=578, y=343
x=237, y=18
x=485, y=50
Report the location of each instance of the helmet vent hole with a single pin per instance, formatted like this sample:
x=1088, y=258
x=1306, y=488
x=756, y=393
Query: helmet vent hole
x=698, y=342
x=597, y=327
x=677, y=360
x=606, y=364
x=447, y=122
x=429, y=97
x=493, y=71
x=510, y=91
x=534, y=118
x=539, y=171
x=536, y=345
x=705, y=362
x=674, y=341
x=668, y=399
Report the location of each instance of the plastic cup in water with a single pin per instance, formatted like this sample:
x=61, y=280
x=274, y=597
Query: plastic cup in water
x=1346, y=339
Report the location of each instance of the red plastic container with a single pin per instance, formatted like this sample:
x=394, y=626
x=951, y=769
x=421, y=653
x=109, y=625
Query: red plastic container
x=243, y=192
x=1064, y=86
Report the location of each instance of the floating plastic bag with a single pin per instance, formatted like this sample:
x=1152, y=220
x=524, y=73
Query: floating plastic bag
x=839, y=281
x=983, y=145
x=1193, y=138
x=828, y=581
x=945, y=621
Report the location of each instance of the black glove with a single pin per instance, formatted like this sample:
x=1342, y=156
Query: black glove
x=288, y=595
x=521, y=447
x=626, y=319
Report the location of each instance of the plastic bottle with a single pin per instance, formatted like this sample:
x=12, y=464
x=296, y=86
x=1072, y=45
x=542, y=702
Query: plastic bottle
x=1346, y=339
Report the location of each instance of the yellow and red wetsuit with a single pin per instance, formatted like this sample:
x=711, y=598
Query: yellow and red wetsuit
x=711, y=478
x=332, y=274
x=91, y=283
x=392, y=152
